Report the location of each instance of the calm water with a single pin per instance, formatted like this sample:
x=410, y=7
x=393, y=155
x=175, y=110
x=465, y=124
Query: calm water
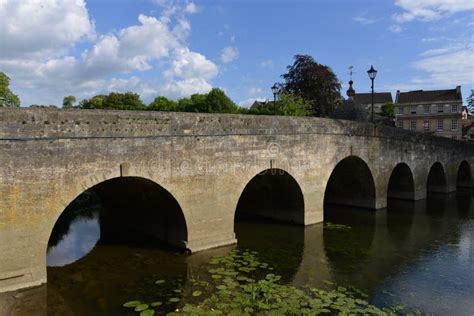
x=420, y=254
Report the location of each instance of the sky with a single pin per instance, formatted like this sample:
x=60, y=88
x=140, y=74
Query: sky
x=175, y=48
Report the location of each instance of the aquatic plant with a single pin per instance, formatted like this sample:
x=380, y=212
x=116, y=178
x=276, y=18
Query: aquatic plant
x=239, y=284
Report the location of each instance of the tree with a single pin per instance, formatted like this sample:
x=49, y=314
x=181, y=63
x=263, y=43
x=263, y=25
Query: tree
x=315, y=83
x=388, y=110
x=218, y=102
x=163, y=104
x=470, y=102
x=68, y=102
x=7, y=97
x=114, y=101
x=292, y=105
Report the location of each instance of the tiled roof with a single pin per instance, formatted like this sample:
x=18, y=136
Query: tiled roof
x=379, y=97
x=429, y=96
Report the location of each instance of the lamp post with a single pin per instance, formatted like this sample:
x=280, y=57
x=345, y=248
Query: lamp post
x=372, y=74
x=275, y=91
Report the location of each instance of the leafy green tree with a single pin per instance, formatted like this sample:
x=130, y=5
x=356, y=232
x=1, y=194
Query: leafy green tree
x=114, y=101
x=315, y=83
x=163, y=104
x=68, y=102
x=292, y=105
x=7, y=97
x=218, y=102
x=388, y=110
x=96, y=102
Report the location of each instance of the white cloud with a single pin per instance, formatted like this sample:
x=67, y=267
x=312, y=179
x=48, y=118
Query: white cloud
x=42, y=28
x=429, y=10
x=253, y=91
x=395, y=28
x=46, y=70
x=191, y=8
x=229, y=54
x=364, y=20
x=266, y=64
x=449, y=66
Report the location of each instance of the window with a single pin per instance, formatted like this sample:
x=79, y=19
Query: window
x=413, y=109
x=440, y=125
x=454, y=125
x=426, y=125
x=440, y=108
x=454, y=108
x=400, y=123
x=400, y=110
x=426, y=109
x=413, y=125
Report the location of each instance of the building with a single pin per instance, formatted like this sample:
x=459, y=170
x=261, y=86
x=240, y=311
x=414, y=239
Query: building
x=364, y=100
x=466, y=117
x=437, y=112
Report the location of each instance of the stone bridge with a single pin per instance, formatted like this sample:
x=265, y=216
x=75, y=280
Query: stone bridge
x=182, y=178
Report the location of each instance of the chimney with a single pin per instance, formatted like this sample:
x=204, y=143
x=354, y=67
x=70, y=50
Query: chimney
x=458, y=89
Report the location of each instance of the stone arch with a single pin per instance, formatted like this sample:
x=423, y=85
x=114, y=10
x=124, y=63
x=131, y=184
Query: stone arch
x=142, y=207
x=272, y=194
x=401, y=184
x=351, y=183
x=464, y=176
x=437, y=181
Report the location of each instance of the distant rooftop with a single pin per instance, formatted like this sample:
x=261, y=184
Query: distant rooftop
x=429, y=96
x=379, y=97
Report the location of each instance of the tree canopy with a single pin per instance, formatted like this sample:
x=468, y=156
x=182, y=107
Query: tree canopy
x=7, y=97
x=114, y=101
x=68, y=102
x=315, y=83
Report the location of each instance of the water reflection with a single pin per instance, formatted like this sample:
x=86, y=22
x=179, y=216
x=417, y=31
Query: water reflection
x=420, y=254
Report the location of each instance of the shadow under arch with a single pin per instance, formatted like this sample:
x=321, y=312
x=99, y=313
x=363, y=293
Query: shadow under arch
x=436, y=182
x=351, y=183
x=272, y=194
x=401, y=184
x=128, y=209
x=464, y=177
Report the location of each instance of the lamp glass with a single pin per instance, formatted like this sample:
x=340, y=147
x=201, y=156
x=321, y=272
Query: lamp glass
x=372, y=72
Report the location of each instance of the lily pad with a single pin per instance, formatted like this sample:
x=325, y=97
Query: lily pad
x=141, y=307
x=160, y=282
x=147, y=312
x=132, y=304
x=174, y=300
x=197, y=293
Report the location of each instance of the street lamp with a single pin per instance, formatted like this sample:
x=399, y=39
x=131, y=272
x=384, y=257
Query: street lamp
x=275, y=91
x=372, y=74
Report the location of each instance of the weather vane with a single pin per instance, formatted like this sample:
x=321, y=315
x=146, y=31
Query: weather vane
x=351, y=72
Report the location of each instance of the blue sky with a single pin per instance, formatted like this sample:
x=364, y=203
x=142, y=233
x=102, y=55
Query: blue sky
x=53, y=48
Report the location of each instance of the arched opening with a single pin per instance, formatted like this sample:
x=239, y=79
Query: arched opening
x=117, y=211
x=270, y=201
x=436, y=182
x=464, y=179
x=401, y=184
x=351, y=183
x=272, y=194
